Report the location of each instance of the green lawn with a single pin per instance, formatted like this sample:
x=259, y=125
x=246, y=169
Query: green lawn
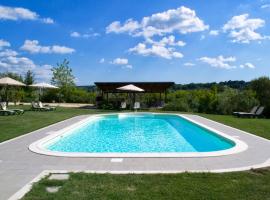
x=251, y=185
x=260, y=127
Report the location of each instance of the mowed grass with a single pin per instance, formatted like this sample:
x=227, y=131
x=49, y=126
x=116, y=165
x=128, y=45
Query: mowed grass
x=251, y=185
x=260, y=127
x=16, y=125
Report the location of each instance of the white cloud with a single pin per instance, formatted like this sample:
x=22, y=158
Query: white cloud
x=242, y=29
x=170, y=41
x=4, y=43
x=130, y=26
x=17, y=13
x=120, y=61
x=214, y=32
x=247, y=65
x=182, y=20
x=202, y=37
x=43, y=73
x=265, y=6
x=16, y=64
x=90, y=34
x=48, y=20
x=123, y=62
x=8, y=52
x=61, y=49
x=128, y=66
x=102, y=60
x=219, y=62
x=33, y=46
x=75, y=34
x=156, y=50
x=188, y=64
x=11, y=62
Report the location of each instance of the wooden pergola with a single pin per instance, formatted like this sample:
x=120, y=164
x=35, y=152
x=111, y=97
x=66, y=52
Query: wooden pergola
x=148, y=87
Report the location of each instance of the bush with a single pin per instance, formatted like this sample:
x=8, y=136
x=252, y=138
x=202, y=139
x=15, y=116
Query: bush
x=177, y=105
x=233, y=100
x=210, y=101
x=262, y=88
x=73, y=95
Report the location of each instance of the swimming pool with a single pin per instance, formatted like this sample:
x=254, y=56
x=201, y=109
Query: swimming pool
x=137, y=135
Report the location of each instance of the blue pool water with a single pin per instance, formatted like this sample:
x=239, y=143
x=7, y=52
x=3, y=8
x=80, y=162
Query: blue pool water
x=139, y=133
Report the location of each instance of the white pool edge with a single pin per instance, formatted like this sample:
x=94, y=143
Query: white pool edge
x=37, y=147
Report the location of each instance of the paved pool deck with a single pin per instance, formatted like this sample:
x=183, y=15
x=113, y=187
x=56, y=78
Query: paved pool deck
x=18, y=165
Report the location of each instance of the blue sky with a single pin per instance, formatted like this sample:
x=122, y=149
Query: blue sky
x=131, y=40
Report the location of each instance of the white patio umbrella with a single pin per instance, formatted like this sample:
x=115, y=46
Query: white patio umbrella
x=131, y=89
x=6, y=82
x=42, y=86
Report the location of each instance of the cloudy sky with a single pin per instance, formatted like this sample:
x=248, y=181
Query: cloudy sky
x=137, y=40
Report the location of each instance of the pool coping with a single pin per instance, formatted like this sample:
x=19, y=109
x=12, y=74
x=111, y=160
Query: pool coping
x=37, y=146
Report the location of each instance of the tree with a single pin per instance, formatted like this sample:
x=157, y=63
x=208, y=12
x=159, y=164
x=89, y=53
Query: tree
x=12, y=75
x=29, y=78
x=64, y=79
x=62, y=75
x=262, y=88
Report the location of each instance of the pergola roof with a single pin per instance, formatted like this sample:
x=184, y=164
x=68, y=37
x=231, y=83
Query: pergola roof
x=149, y=87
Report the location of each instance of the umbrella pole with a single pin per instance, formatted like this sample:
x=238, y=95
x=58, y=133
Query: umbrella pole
x=39, y=94
x=134, y=98
x=6, y=91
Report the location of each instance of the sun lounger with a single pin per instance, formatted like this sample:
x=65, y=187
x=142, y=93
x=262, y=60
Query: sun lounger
x=252, y=112
x=36, y=107
x=257, y=113
x=46, y=107
x=4, y=110
x=7, y=112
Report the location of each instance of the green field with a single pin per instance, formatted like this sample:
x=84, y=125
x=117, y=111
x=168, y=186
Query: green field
x=251, y=185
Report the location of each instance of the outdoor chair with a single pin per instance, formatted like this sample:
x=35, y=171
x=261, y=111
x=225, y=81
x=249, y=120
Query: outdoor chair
x=36, y=107
x=46, y=107
x=4, y=110
x=247, y=114
x=123, y=105
x=259, y=112
x=137, y=105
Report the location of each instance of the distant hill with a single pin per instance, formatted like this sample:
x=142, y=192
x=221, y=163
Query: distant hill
x=192, y=86
x=90, y=88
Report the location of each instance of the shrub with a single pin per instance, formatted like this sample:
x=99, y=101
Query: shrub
x=262, y=88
